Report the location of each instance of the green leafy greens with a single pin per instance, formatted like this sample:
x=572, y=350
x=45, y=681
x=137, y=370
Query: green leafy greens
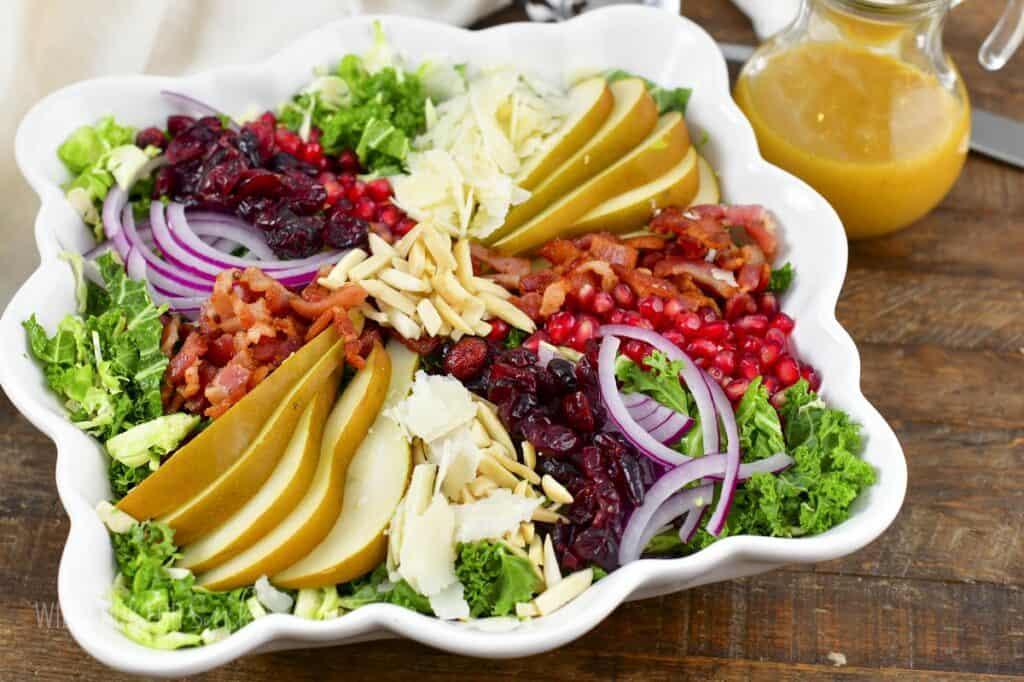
x=161, y=611
x=370, y=105
x=369, y=590
x=658, y=378
x=781, y=278
x=494, y=579
x=667, y=99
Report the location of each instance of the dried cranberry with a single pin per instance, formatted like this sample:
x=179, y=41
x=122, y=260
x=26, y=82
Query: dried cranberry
x=343, y=231
x=281, y=162
x=597, y=546
x=295, y=236
x=466, y=358
x=551, y=439
x=193, y=142
x=177, y=124
x=628, y=476
x=164, y=183
x=576, y=409
x=564, y=373
x=151, y=137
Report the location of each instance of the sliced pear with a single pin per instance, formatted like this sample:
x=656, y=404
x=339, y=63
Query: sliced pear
x=665, y=147
x=632, y=209
x=206, y=457
x=278, y=496
x=708, y=192
x=376, y=481
x=590, y=102
x=313, y=518
x=632, y=117
x=225, y=496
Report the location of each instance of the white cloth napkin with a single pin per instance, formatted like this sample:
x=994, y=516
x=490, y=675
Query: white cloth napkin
x=47, y=44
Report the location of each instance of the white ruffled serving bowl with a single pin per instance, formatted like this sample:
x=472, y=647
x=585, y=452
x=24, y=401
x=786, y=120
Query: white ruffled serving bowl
x=668, y=49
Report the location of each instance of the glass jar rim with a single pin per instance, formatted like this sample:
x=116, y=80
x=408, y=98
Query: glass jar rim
x=894, y=8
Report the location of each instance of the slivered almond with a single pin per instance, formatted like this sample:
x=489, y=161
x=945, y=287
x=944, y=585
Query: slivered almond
x=339, y=273
x=498, y=453
x=536, y=551
x=385, y=294
x=499, y=474
x=411, y=237
x=527, y=529
x=439, y=246
x=379, y=247
x=368, y=268
x=552, y=574
x=404, y=324
x=449, y=315
x=567, y=589
x=473, y=312
x=482, y=328
x=403, y=281
x=466, y=495
x=481, y=486
x=526, y=610
x=372, y=313
x=400, y=265
x=417, y=259
x=554, y=490
x=428, y=316
x=508, y=312
x=464, y=265
x=490, y=420
x=482, y=285
x=521, y=488
x=448, y=286
x=545, y=515
x=529, y=454
x=480, y=437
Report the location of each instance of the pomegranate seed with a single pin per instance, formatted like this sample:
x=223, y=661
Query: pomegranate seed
x=749, y=369
x=389, y=215
x=635, y=319
x=499, y=330
x=726, y=361
x=636, y=350
x=617, y=316
x=356, y=191
x=673, y=307
x=560, y=326
x=769, y=304
x=707, y=315
x=715, y=372
x=688, y=323
x=716, y=330
x=771, y=384
x=334, y=191
x=751, y=344
x=533, y=342
x=739, y=305
x=624, y=296
x=704, y=348
x=778, y=400
x=787, y=370
x=268, y=118
x=603, y=303
x=735, y=389
x=770, y=352
x=348, y=160
x=315, y=134
x=288, y=141
x=586, y=329
x=365, y=209
x=776, y=336
x=347, y=179
x=585, y=296
x=379, y=189
x=784, y=323
x=675, y=337
x=653, y=309
x=808, y=373
x=751, y=325
x=403, y=226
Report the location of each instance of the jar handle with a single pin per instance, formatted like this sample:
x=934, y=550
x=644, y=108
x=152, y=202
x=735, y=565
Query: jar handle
x=1005, y=38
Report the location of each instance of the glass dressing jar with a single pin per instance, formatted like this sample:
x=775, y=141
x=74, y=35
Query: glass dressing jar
x=859, y=99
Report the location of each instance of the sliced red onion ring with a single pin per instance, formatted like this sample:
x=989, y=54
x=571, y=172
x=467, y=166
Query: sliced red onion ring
x=136, y=268
x=732, y=456
x=632, y=400
x=691, y=376
x=669, y=484
x=653, y=421
x=672, y=429
x=775, y=464
x=113, y=205
x=687, y=502
x=620, y=415
x=194, y=106
x=232, y=233
x=162, y=276
x=172, y=251
x=691, y=522
x=645, y=411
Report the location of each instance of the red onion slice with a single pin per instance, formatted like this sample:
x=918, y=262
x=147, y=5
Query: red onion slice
x=162, y=276
x=684, y=502
x=233, y=234
x=672, y=429
x=690, y=524
x=632, y=400
x=634, y=433
x=732, y=456
x=691, y=376
x=669, y=484
x=113, y=206
x=188, y=306
x=172, y=251
x=195, y=107
x=775, y=464
x=646, y=411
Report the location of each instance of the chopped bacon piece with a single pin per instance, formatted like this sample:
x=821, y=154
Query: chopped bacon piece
x=719, y=281
x=554, y=297
x=560, y=251
x=647, y=242
x=425, y=345
x=537, y=281
x=600, y=268
x=192, y=350
x=228, y=386
x=609, y=249
x=171, y=335
x=530, y=304
x=349, y=296
x=505, y=265
x=644, y=283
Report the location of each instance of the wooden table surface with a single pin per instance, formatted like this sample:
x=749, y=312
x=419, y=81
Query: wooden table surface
x=938, y=314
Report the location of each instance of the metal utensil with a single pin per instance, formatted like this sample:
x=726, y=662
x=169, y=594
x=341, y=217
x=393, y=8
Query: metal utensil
x=994, y=136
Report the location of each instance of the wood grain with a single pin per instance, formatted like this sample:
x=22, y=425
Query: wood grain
x=938, y=314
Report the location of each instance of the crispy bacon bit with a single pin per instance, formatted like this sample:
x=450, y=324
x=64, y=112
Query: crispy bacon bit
x=505, y=265
x=647, y=242
x=530, y=303
x=537, y=281
x=425, y=345
x=609, y=249
x=250, y=325
x=170, y=335
x=600, y=268
x=560, y=251
x=702, y=272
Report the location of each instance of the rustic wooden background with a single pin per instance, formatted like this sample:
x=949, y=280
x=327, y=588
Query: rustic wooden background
x=938, y=314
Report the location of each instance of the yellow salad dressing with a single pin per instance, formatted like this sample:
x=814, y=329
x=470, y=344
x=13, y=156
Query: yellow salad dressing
x=881, y=140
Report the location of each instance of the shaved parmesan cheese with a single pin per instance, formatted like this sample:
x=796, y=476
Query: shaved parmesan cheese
x=427, y=557
x=457, y=457
x=724, y=276
x=437, y=406
x=493, y=516
x=449, y=603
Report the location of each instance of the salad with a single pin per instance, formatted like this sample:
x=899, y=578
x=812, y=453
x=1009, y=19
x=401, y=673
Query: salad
x=450, y=337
